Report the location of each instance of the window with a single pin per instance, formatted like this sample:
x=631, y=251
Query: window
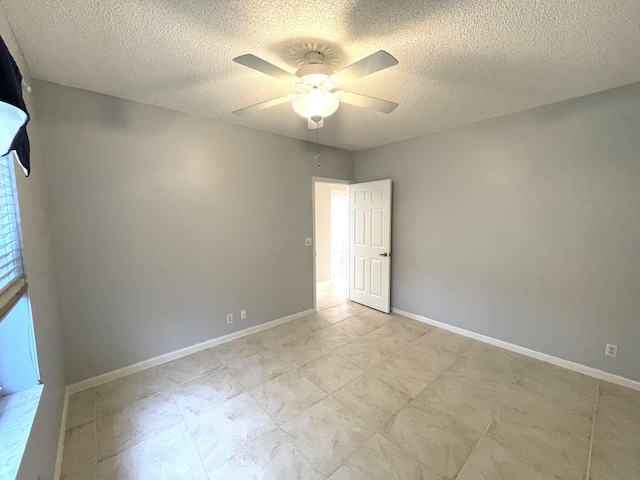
x=12, y=282
x=18, y=362
x=19, y=374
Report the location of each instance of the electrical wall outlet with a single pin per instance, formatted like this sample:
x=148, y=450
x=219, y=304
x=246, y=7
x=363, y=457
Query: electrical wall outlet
x=307, y=242
x=243, y=314
x=611, y=350
x=230, y=318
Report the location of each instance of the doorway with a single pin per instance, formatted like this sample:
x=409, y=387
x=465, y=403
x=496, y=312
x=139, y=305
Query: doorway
x=331, y=240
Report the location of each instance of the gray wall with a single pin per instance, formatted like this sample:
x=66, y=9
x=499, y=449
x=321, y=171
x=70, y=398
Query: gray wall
x=525, y=228
x=163, y=223
x=40, y=455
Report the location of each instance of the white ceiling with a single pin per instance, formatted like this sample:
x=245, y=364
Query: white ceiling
x=460, y=60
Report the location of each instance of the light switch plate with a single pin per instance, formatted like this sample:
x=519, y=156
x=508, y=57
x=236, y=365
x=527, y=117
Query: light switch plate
x=307, y=242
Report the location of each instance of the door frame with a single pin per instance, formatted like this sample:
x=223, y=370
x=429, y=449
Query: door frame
x=314, y=180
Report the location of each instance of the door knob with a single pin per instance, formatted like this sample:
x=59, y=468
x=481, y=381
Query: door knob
x=385, y=254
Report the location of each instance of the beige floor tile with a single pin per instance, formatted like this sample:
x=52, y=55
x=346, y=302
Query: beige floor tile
x=329, y=294
x=617, y=433
x=550, y=413
x=294, y=352
x=509, y=361
x=262, y=367
x=359, y=325
x=205, y=393
x=403, y=374
x=379, y=317
x=271, y=457
x=353, y=307
x=379, y=459
x=545, y=374
x=330, y=372
x=372, y=400
x=118, y=393
x=434, y=439
x=114, y=395
x=287, y=332
x=609, y=465
x=388, y=338
x=370, y=364
x=221, y=433
x=552, y=450
x=471, y=405
x=333, y=314
x=244, y=347
x=79, y=457
x=438, y=339
x=314, y=322
x=167, y=456
x=415, y=327
x=89, y=474
x=362, y=355
x=304, y=349
x=135, y=423
x=622, y=400
x=396, y=335
x=81, y=408
x=413, y=368
x=488, y=374
x=490, y=353
x=332, y=337
x=433, y=358
x=287, y=396
x=492, y=462
x=327, y=434
x=558, y=385
x=324, y=303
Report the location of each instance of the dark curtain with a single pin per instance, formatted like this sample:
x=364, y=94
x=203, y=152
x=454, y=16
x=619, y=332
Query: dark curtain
x=11, y=93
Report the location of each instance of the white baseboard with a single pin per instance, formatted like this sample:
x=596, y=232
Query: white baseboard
x=577, y=367
x=152, y=362
x=63, y=425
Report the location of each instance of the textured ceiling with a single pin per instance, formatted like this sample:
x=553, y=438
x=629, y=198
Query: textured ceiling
x=460, y=60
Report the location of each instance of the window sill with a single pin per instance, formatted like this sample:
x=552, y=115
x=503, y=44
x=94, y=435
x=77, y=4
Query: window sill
x=17, y=412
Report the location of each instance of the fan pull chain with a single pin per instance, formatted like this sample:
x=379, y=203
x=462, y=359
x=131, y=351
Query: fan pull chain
x=317, y=156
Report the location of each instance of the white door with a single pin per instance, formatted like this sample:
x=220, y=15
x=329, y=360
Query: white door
x=370, y=244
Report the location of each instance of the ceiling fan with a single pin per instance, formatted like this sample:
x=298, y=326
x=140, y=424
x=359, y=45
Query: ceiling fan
x=319, y=86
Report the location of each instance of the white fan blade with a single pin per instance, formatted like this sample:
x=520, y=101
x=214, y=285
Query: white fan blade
x=311, y=125
x=262, y=106
x=368, y=65
x=263, y=66
x=363, y=101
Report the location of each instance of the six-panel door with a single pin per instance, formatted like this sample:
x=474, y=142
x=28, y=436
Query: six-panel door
x=370, y=243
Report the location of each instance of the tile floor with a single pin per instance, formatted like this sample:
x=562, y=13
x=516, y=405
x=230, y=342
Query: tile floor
x=351, y=393
x=330, y=294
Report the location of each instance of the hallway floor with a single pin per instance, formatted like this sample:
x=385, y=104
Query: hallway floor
x=330, y=294
x=351, y=393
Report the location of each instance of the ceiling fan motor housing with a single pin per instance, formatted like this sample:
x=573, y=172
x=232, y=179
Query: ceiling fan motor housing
x=314, y=69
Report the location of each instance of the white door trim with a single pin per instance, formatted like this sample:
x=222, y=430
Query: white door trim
x=314, y=180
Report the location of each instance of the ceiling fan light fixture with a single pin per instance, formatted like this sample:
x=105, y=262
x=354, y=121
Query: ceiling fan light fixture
x=316, y=104
x=318, y=85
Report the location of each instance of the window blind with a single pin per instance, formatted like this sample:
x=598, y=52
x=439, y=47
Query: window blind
x=11, y=268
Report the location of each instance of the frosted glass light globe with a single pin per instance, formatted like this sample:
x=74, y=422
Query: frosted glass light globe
x=315, y=104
